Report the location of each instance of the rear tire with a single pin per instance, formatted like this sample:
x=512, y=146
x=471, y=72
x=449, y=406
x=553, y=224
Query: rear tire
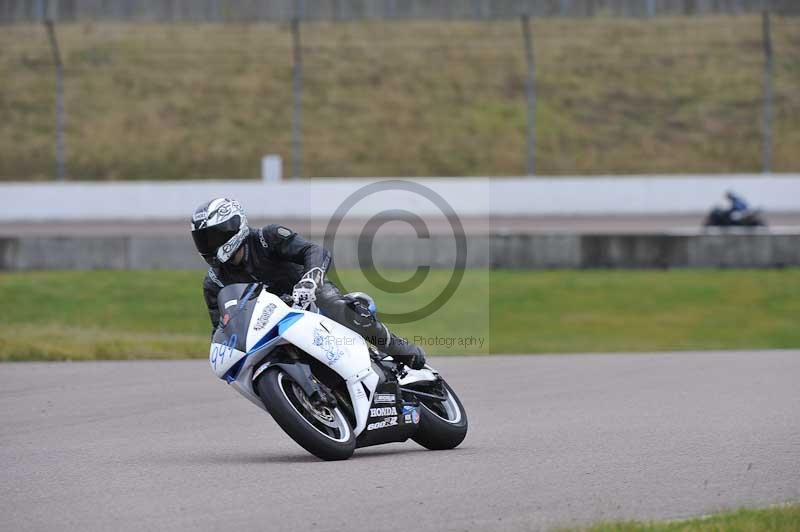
x=324, y=432
x=442, y=425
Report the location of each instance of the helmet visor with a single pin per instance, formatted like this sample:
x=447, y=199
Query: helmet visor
x=209, y=239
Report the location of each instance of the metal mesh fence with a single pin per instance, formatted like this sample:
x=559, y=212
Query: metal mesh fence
x=413, y=98
x=215, y=11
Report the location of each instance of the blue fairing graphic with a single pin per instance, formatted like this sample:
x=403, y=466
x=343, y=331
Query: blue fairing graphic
x=288, y=321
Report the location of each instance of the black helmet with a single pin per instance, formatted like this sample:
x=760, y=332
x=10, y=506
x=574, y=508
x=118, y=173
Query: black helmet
x=219, y=228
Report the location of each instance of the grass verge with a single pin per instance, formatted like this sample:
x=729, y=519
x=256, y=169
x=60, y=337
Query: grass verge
x=161, y=314
x=776, y=519
x=161, y=101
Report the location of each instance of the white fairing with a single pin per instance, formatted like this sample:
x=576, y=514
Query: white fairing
x=344, y=351
x=340, y=348
x=269, y=310
x=223, y=357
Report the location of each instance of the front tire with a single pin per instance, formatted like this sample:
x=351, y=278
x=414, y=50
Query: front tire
x=324, y=432
x=442, y=425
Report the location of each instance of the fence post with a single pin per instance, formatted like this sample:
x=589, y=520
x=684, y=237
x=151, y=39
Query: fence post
x=530, y=90
x=768, y=91
x=61, y=166
x=297, y=93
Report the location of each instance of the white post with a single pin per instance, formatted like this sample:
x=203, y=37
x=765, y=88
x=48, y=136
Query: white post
x=271, y=168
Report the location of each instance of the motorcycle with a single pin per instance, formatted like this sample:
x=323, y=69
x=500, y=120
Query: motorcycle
x=719, y=217
x=324, y=385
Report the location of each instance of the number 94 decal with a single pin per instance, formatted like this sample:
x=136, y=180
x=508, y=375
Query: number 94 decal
x=219, y=352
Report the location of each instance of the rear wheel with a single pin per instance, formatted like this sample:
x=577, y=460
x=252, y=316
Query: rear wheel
x=324, y=432
x=442, y=424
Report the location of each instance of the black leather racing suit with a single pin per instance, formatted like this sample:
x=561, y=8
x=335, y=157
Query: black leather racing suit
x=278, y=257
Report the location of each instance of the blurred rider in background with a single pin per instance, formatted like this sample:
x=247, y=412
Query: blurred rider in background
x=738, y=205
x=279, y=257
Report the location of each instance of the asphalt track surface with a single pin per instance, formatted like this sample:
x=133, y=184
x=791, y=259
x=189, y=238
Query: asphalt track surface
x=554, y=441
x=779, y=222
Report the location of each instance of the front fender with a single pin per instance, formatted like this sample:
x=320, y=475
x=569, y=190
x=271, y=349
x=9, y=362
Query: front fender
x=299, y=372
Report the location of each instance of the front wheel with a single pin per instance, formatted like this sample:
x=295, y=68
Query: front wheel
x=442, y=424
x=322, y=431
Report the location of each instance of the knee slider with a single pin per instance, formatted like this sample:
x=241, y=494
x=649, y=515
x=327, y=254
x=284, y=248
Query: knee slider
x=360, y=314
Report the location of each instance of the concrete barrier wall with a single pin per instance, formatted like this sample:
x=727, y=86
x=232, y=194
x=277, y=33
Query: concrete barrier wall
x=514, y=251
x=319, y=198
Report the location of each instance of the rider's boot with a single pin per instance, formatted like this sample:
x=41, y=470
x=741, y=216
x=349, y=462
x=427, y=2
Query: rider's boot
x=404, y=351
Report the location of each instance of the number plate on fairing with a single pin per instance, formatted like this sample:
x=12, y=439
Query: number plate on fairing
x=224, y=355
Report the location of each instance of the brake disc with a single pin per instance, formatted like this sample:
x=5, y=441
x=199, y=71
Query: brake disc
x=321, y=414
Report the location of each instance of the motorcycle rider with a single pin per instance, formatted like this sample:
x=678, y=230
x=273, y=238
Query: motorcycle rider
x=278, y=257
x=738, y=206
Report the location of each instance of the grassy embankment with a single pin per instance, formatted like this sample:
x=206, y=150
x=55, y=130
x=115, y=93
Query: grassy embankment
x=411, y=98
x=106, y=315
x=777, y=519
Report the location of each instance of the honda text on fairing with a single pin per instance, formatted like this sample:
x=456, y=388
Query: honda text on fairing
x=323, y=383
